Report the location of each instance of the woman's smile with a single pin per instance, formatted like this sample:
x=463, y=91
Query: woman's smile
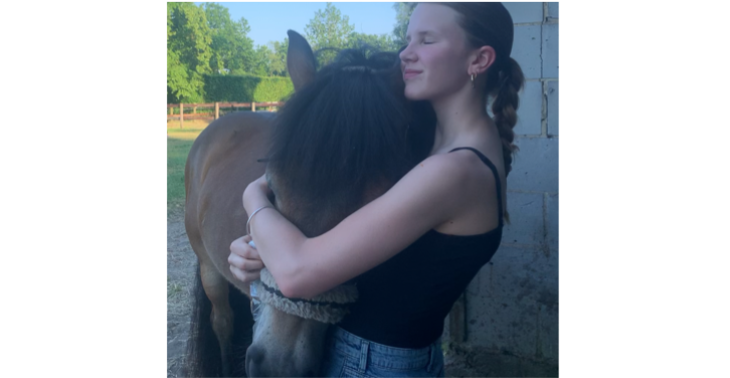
x=408, y=74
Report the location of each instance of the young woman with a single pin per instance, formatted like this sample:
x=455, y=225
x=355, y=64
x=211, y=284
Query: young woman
x=415, y=248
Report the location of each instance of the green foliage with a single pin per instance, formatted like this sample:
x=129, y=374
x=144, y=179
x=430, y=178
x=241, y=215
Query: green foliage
x=402, y=15
x=328, y=30
x=277, y=64
x=211, y=58
x=261, y=61
x=273, y=89
x=188, y=51
x=232, y=49
x=178, y=83
x=271, y=60
x=235, y=88
x=247, y=88
x=381, y=42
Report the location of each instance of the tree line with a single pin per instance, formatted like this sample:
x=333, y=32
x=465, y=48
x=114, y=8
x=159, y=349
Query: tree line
x=204, y=40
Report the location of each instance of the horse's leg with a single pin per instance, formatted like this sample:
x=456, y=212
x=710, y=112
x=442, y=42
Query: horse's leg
x=216, y=288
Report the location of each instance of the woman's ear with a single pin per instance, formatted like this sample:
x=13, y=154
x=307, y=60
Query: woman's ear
x=482, y=58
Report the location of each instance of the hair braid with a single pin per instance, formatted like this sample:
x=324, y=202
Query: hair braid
x=504, y=107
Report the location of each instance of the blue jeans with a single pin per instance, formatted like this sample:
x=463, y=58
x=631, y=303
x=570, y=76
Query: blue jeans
x=348, y=355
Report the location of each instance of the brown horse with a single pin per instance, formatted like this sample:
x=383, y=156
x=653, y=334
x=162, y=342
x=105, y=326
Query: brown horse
x=221, y=163
x=339, y=142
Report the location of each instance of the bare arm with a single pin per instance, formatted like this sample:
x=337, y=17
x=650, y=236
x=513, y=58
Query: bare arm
x=425, y=198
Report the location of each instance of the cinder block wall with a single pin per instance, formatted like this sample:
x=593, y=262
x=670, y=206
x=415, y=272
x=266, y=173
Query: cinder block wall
x=512, y=304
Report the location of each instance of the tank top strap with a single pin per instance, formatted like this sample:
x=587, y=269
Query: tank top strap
x=496, y=177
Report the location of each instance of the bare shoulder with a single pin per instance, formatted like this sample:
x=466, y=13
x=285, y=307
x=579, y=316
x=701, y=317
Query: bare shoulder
x=445, y=170
x=460, y=166
x=444, y=179
x=474, y=205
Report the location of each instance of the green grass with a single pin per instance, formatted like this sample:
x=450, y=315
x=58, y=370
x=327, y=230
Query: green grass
x=173, y=289
x=179, y=142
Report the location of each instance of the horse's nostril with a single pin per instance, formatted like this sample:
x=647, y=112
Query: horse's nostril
x=254, y=355
x=254, y=360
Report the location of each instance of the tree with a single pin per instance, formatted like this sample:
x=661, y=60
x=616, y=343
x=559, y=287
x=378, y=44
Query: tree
x=381, y=42
x=277, y=63
x=233, y=50
x=261, y=62
x=327, y=32
x=402, y=15
x=188, y=52
x=178, y=83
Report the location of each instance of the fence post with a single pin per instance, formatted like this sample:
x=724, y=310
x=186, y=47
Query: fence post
x=194, y=109
x=181, y=115
x=457, y=323
x=253, y=106
x=216, y=110
x=171, y=110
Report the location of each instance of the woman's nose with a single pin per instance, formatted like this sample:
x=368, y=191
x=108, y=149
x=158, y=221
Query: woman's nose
x=405, y=54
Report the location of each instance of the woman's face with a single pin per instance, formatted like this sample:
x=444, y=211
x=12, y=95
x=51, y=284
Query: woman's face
x=435, y=62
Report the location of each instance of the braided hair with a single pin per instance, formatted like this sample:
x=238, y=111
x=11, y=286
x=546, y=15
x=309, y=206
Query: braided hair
x=490, y=24
x=504, y=107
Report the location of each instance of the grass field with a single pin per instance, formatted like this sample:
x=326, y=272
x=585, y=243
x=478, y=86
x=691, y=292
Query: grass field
x=179, y=142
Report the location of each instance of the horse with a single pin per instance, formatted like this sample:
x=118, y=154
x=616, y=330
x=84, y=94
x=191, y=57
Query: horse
x=331, y=149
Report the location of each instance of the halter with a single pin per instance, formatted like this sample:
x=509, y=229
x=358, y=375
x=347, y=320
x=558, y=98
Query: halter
x=329, y=307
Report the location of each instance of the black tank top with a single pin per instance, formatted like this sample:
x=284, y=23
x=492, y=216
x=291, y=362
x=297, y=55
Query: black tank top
x=403, y=302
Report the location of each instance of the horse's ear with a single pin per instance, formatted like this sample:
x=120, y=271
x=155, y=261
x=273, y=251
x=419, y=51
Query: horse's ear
x=300, y=60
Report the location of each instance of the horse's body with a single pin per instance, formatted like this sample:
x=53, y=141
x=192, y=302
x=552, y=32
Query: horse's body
x=223, y=161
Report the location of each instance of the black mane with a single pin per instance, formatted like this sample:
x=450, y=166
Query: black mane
x=344, y=132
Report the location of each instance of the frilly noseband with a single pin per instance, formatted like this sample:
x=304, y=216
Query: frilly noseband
x=329, y=307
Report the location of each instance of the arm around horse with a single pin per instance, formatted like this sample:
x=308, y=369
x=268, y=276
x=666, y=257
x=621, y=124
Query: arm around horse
x=425, y=198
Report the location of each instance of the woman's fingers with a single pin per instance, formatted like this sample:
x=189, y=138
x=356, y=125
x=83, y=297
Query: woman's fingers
x=241, y=247
x=253, y=265
x=245, y=276
x=243, y=263
x=244, y=260
x=238, y=245
x=236, y=260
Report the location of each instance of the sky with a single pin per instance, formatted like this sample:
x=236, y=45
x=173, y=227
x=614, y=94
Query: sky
x=269, y=21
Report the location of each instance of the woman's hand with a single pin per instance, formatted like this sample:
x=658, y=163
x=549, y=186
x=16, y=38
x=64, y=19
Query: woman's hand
x=245, y=262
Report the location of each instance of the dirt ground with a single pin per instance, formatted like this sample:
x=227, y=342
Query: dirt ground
x=462, y=361
x=181, y=262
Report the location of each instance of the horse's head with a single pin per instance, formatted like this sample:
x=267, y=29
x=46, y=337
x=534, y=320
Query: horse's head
x=340, y=141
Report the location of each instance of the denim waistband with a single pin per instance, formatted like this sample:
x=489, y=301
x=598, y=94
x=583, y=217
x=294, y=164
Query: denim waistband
x=372, y=353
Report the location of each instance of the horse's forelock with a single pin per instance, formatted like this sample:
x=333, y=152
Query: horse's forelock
x=338, y=135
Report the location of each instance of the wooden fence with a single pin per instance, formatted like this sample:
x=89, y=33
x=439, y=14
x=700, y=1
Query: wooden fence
x=217, y=105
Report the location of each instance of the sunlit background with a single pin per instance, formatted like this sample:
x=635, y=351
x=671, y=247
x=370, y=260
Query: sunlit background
x=209, y=40
x=269, y=21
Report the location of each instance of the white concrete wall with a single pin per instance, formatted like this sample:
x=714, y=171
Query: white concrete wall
x=512, y=304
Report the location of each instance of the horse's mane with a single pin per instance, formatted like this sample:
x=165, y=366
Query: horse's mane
x=344, y=131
